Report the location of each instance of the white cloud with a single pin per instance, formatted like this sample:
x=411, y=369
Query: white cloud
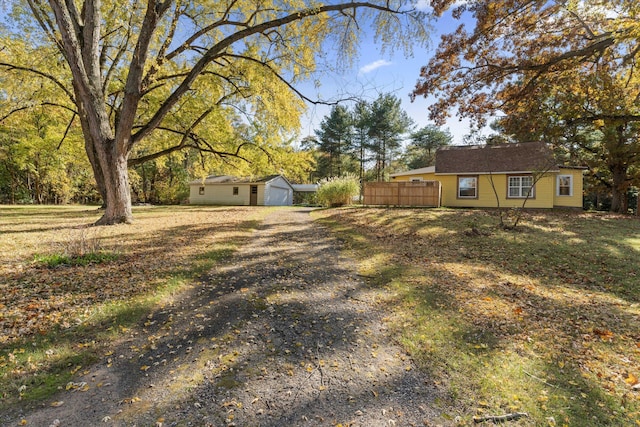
x=374, y=66
x=424, y=5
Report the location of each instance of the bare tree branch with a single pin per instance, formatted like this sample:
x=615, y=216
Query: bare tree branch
x=132, y=89
x=66, y=131
x=28, y=107
x=44, y=22
x=160, y=56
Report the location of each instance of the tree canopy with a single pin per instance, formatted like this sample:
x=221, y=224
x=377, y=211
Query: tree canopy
x=366, y=138
x=170, y=75
x=388, y=123
x=421, y=151
x=551, y=68
x=335, y=138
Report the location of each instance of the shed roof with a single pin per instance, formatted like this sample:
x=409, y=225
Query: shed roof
x=305, y=188
x=229, y=179
x=521, y=157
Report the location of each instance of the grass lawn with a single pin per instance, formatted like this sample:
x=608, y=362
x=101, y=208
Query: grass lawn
x=68, y=291
x=544, y=319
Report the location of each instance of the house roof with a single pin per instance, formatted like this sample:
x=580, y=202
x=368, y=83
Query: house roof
x=217, y=179
x=229, y=179
x=521, y=157
x=267, y=178
x=428, y=169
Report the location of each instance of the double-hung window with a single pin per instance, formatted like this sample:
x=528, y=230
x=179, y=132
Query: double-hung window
x=520, y=186
x=564, y=185
x=467, y=187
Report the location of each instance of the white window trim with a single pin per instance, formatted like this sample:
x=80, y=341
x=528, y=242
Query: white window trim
x=558, y=178
x=522, y=195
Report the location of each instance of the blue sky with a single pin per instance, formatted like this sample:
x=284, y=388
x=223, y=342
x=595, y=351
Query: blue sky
x=374, y=72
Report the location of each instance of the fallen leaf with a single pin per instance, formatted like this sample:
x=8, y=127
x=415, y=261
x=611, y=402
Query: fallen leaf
x=58, y=403
x=604, y=334
x=631, y=379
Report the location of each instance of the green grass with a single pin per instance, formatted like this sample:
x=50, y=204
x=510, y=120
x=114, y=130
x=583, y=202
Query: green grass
x=543, y=319
x=54, y=359
x=84, y=303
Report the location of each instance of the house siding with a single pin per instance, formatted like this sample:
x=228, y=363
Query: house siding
x=272, y=191
x=544, y=190
x=543, y=196
x=222, y=194
x=575, y=200
x=492, y=166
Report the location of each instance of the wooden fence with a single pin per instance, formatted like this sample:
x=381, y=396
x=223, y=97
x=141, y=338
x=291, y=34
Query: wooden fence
x=403, y=193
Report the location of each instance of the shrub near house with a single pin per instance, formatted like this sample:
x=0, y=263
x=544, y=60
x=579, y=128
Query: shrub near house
x=338, y=191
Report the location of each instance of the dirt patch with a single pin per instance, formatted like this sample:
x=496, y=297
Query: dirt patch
x=283, y=333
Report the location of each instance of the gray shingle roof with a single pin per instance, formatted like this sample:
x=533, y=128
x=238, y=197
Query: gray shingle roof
x=229, y=179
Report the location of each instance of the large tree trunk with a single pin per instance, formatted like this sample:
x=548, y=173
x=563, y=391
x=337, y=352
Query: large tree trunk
x=97, y=170
x=90, y=147
x=618, y=167
x=619, y=187
x=109, y=165
x=115, y=177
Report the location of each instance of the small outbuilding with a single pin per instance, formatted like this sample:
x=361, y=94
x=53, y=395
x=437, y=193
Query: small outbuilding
x=273, y=190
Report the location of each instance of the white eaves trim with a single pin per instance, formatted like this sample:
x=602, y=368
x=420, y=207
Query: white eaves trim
x=428, y=169
x=496, y=172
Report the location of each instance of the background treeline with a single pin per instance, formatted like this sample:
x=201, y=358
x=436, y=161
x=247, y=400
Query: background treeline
x=371, y=140
x=42, y=159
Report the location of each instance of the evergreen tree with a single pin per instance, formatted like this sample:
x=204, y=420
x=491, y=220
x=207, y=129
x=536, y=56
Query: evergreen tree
x=389, y=122
x=361, y=141
x=421, y=151
x=335, y=138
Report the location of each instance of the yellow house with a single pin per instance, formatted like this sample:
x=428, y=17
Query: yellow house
x=479, y=176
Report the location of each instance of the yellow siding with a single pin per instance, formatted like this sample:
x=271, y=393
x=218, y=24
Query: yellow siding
x=545, y=191
x=575, y=200
x=543, y=197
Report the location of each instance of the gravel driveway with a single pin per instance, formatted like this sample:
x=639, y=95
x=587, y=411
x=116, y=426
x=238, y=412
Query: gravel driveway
x=283, y=333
